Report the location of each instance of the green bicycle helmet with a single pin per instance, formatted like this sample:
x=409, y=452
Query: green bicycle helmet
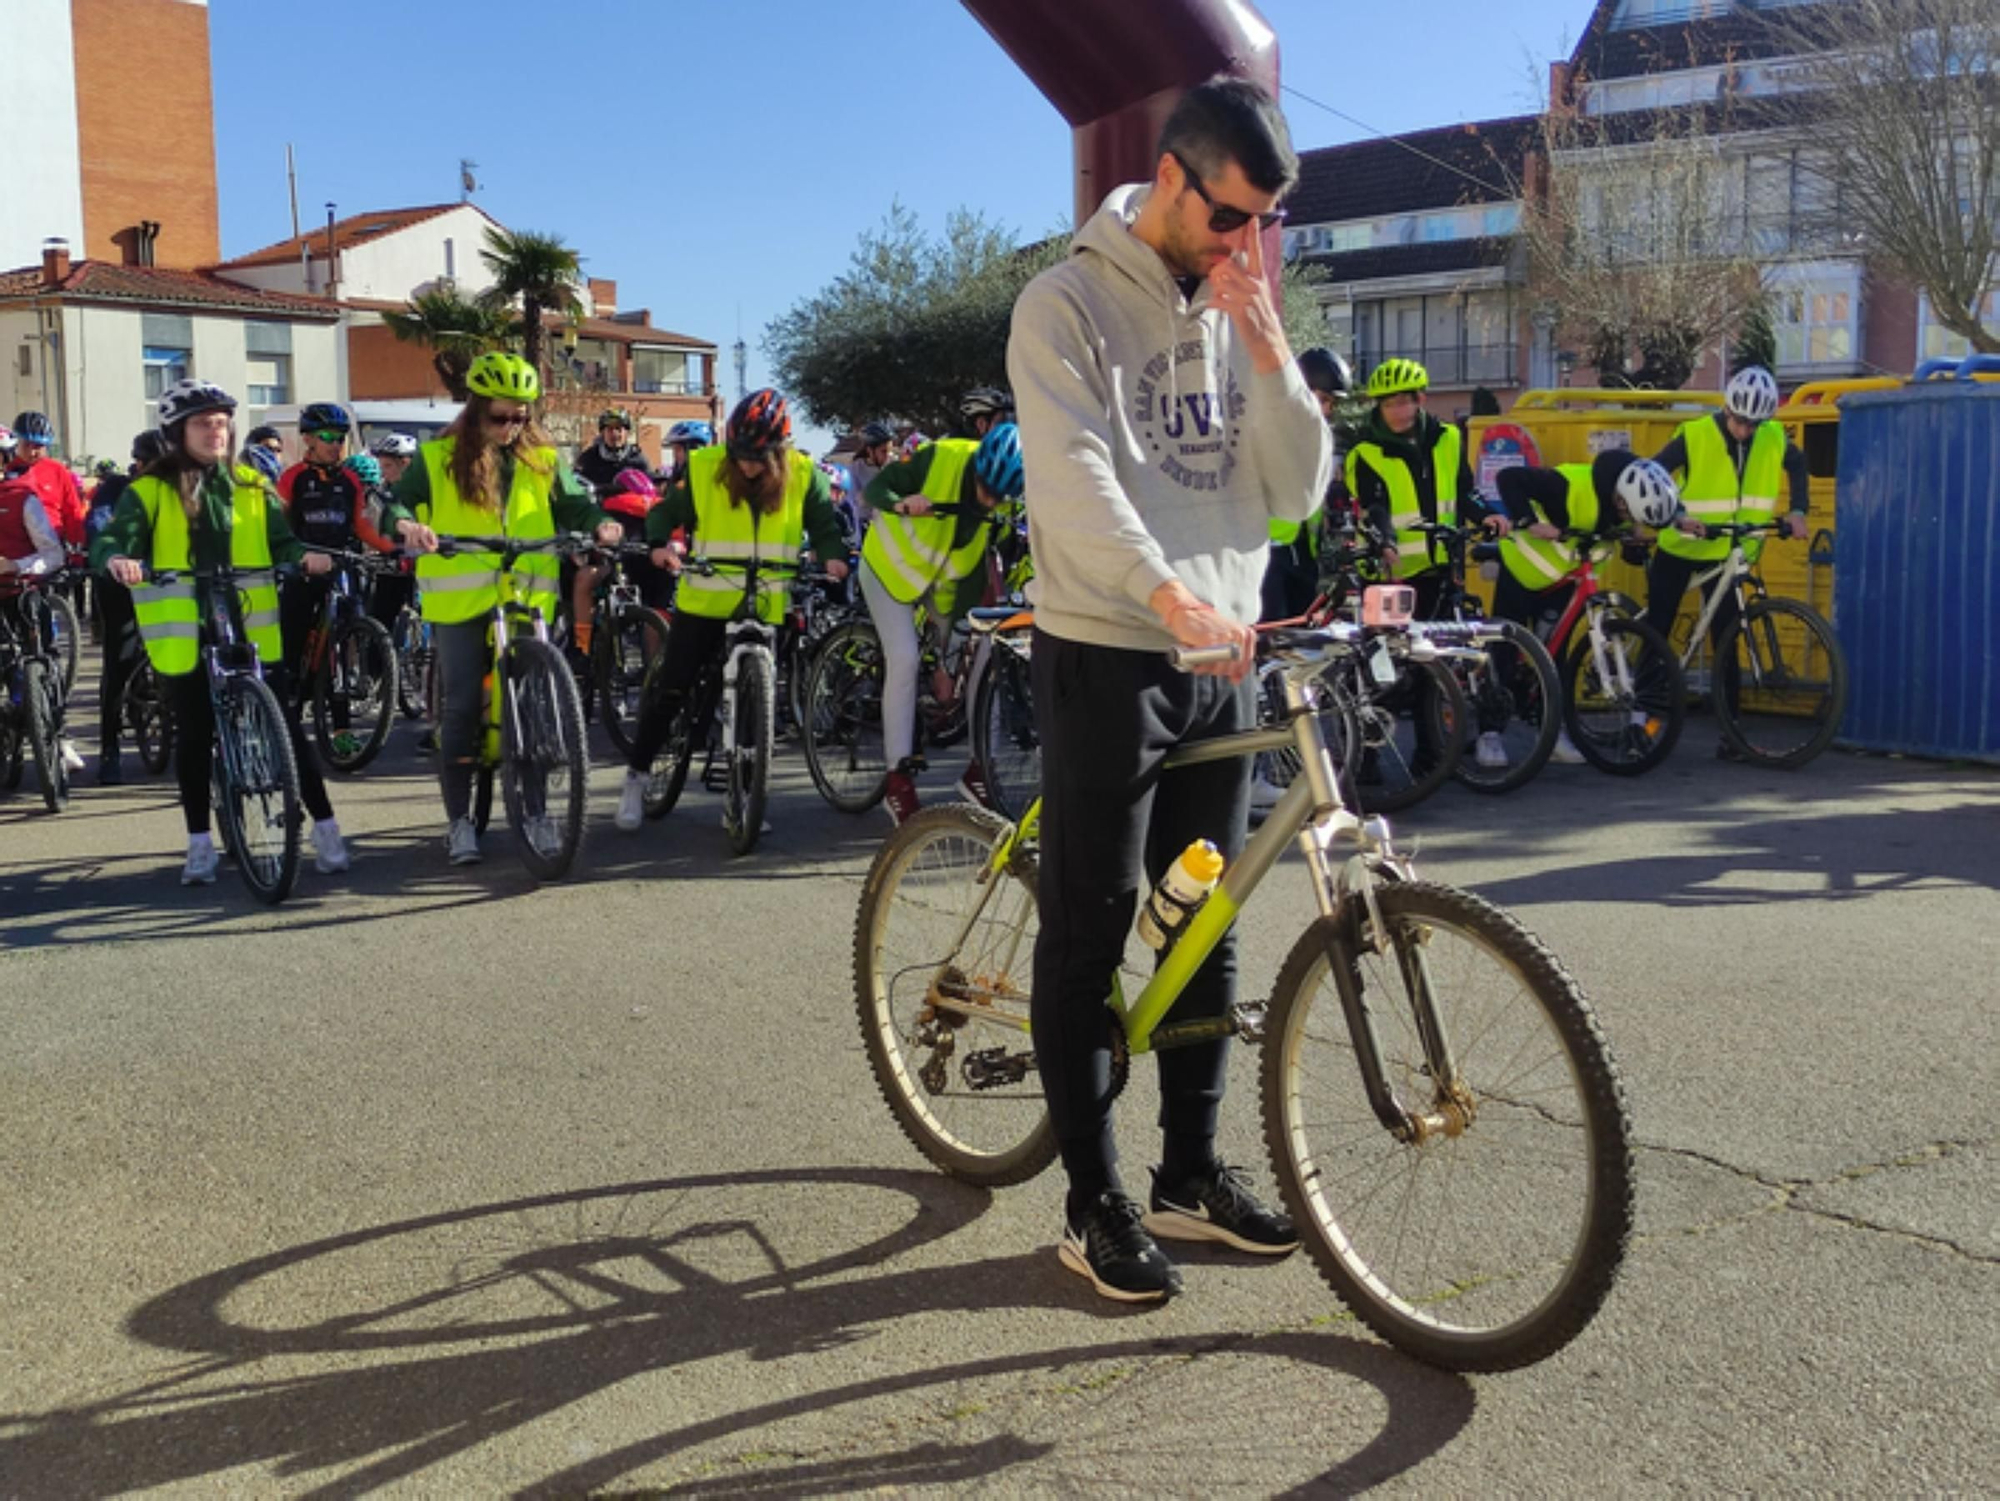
x=1395, y=376
x=498, y=375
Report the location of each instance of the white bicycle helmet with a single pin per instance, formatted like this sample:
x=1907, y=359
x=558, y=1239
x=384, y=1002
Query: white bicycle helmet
x=190, y=398
x=1650, y=495
x=1752, y=394
x=394, y=446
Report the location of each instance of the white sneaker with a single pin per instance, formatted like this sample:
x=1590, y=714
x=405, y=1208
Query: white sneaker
x=632, y=801
x=72, y=758
x=461, y=844
x=201, y=861
x=329, y=849
x=1565, y=753
x=1489, y=751
x=540, y=831
x=1264, y=794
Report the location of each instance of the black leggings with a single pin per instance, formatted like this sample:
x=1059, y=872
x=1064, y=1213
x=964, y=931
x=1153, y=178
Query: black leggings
x=1667, y=580
x=1112, y=822
x=194, y=747
x=692, y=643
x=121, y=659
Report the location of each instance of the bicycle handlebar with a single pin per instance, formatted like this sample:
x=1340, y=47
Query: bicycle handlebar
x=450, y=545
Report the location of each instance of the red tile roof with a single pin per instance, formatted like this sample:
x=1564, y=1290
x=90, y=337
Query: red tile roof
x=357, y=229
x=157, y=286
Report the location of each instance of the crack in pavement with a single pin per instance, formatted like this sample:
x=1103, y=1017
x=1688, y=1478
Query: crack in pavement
x=1787, y=1193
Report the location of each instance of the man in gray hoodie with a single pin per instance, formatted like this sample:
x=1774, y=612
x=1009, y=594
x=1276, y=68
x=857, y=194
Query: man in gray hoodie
x=1165, y=426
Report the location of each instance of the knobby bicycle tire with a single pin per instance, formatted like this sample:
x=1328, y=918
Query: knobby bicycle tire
x=1006, y=742
x=622, y=653
x=842, y=737
x=1534, y=697
x=412, y=663
x=1625, y=736
x=1481, y=1247
x=1818, y=709
x=359, y=666
x=544, y=763
x=41, y=701
x=754, y=734
x=260, y=789
x=944, y=1082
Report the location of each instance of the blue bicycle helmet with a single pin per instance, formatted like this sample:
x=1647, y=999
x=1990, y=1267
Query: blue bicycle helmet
x=323, y=416
x=699, y=434
x=265, y=461
x=34, y=427
x=998, y=462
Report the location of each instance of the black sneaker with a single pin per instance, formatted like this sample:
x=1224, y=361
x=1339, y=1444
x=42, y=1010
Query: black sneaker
x=1218, y=1205
x=1109, y=1247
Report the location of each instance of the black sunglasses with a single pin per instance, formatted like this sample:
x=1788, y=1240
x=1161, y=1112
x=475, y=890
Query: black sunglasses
x=1225, y=218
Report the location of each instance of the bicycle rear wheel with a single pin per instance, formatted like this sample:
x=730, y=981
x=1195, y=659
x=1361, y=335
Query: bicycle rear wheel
x=413, y=657
x=1006, y=742
x=1410, y=733
x=259, y=781
x=1625, y=715
x=621, y=652
x=41, y=701
x=357, y=683
x=750, y=753
x=843, y=721
x=1521, y=709
x=935, y=947
x=147, y=716
x=544, y=773
x=1490, y=1239
x=1790, y=684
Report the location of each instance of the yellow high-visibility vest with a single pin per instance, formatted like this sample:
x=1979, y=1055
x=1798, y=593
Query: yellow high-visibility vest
x=1541, y=564
x=1713, y=492
x=727, y=532
x=467, y=586
x=169, y=615
x=1406, y=511
x=912, y=555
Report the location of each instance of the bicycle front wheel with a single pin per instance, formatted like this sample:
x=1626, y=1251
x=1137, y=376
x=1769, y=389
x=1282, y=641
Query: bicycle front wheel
x=1007, y=744
x=146, y=714
x=412, y=663
x=1409, y=734
x=752, y=742
x=354, y=694
x=943, y=959
x=1785, y=684
x=259, y=781
x=623, y=652
x=1625, y=705
x=1519, y=707
x=67, y=633
x=1491, y=1237
x=544, y=774
x=41, y=698
x=843, y=722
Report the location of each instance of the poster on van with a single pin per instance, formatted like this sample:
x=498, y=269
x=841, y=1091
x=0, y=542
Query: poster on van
x=1504, y=445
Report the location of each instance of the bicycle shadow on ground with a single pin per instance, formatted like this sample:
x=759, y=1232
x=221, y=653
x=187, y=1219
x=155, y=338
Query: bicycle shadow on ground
x=1835, y=857
x=544, y=1303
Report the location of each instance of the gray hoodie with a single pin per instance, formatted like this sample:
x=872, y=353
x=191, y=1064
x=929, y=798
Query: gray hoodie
x=1154, y=451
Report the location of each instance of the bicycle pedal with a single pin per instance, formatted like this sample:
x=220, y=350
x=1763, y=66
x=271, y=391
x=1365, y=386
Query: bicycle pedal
x=1250, y=1019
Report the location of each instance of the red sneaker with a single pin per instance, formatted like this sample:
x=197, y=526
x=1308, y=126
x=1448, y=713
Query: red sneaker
x=972, y=785
x=901, y=797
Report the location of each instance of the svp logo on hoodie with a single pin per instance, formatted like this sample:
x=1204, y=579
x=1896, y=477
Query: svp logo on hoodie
x=1188, y=427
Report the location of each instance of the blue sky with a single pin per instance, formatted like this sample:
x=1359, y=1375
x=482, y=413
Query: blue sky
x=711, y=155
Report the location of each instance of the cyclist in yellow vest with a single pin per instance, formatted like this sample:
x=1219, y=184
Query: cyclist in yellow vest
x=1408, y=467
x=752, y=497
x=1291, y=577
x=1615, y=489
x=934, y=519
x=193, y=508
x=493, y=472
x=1731, y=467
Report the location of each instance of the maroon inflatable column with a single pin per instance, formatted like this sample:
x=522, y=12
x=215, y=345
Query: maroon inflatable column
x=1114, y=69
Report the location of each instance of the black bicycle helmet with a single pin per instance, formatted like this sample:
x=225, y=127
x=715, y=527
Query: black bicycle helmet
x=874, y=433
x=148, y=446
x=1326, y=371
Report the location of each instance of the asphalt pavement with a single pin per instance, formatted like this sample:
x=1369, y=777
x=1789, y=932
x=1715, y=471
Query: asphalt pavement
x=440, y=1182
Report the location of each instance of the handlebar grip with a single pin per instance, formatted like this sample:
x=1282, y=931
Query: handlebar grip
x=1188, y=658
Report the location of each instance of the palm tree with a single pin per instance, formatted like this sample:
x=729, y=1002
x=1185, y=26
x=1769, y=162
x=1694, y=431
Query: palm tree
x=538, y=270
x=455, y=330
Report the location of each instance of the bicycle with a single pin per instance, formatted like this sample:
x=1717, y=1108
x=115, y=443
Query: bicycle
x=415, y=654
x=149, y=717
x=742, y=683
x=1520, y=702
x=626, y=637
x=348, y=670
x=533, y=734
x=66, y=629
x=1005, y=741
x=1783, y=677
x=1624, y=697
x=31, y=712
x=1445, y=1120
x=255, y=776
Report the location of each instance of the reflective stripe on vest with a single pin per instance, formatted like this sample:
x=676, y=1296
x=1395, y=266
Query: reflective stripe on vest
x=169, y=615
x=912, y=555
x=1540, y=564
x=1714, y=492
x=729, y=533
x=1406, y=511
x=467, y=586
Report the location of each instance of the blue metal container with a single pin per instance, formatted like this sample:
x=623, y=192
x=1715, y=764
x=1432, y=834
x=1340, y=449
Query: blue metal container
x=1917, y=571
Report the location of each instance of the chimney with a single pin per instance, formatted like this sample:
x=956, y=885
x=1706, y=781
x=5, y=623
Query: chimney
x=55, y=262
x=148, y=235
x=603, y=297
